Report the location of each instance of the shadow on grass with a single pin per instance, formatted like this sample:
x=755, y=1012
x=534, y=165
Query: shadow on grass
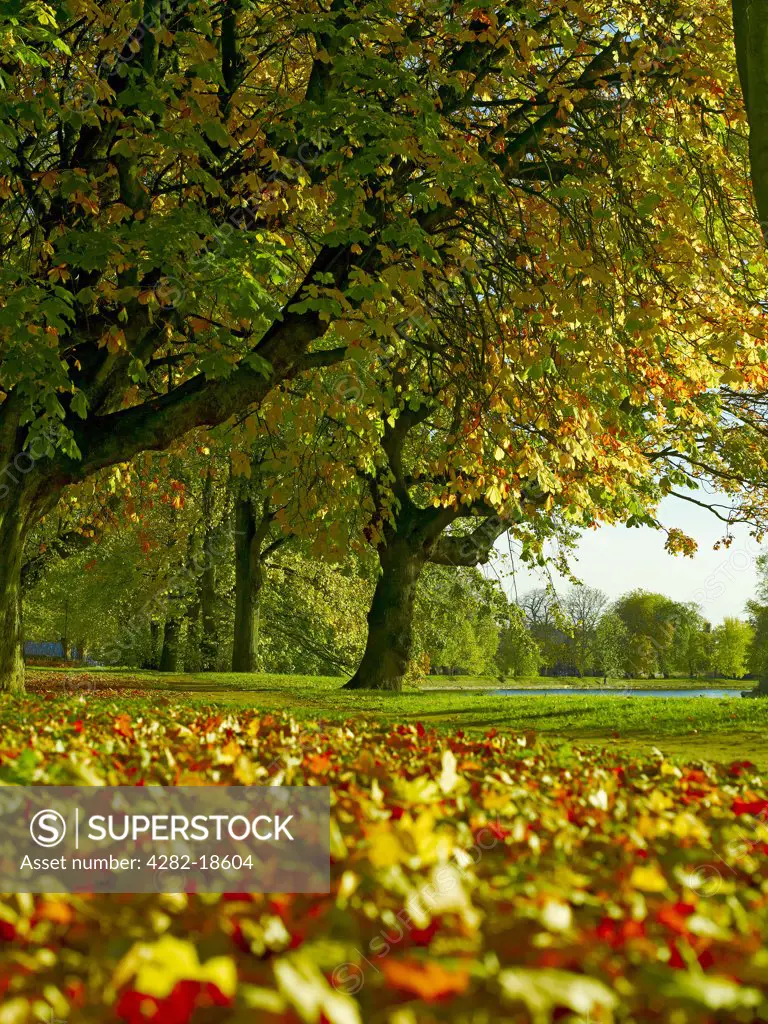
x=211, y=688
x=474, y=718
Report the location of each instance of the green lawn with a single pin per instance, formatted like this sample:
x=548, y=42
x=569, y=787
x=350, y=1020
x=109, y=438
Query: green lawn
x=579, y=683
x=699, y=727
x=244, y=681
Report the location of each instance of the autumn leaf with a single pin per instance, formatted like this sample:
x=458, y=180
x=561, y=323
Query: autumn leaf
x=123, y=726
x=429, y=981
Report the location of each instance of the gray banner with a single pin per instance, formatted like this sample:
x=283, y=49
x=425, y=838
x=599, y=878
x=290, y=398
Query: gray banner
x=57, y=839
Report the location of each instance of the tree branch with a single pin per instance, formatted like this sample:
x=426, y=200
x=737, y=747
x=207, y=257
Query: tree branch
x=325, y=357
x=472, y=549
x=152, y=426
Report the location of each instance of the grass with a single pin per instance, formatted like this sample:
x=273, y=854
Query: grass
x=578, y=683
x=705, y=728
x=249, y=681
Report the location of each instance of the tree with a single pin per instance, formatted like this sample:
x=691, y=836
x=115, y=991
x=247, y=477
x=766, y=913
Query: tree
x=758, y=619
x=290, y=461
x=583, y=607
x=552, y=629
x=731, y=642
x=456, y=620
x=137, y=576
x=649, y=620
x=313, y=613
x=538, y=607
x=758, y=652
x=665, y=637
x=692, y=641
x=197, y=205
x=188, y=201
x=518, y=654
x=255, y=541
x=609, y=646
x=433, y=502
x=750, y=28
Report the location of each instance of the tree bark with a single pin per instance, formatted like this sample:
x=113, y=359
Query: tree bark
x=192, y=652
x=169, y=659
x=209, y=645
x=251, y=552
x=208, y=638
x=417, y=537
x=750, y=31
x=26, y=494
x=12, y=536
x=154, y=635
x=390, y=618
x=247, y=573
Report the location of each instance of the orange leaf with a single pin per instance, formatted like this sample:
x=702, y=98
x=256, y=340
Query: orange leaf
x=318, y=764
x=123, y=726
x=55, y=910
x=429, y=981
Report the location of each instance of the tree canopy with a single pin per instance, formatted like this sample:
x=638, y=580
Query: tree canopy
x=539, y=214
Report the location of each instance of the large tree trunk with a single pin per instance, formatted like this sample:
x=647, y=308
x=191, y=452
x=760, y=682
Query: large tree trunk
x=169, y=659
x=390, y=619
x=247, y=586
x=418, y=537
x=750, y=30
x=12, y=535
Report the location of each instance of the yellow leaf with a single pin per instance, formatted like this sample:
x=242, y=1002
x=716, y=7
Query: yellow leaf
x=159, y=966
x=229, y=753
x=648, y=878
x=385, y=849
x=542, y=990
x=15, y=1011
x=244, y=771
x=302, y=984
x=221, y=972
x=338, y=846
x=556, y=916
x=448, y=776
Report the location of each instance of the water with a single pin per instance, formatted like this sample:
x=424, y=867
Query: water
x=595, y=692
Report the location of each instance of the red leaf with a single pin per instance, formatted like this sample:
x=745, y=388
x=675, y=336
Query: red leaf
x=740, y=806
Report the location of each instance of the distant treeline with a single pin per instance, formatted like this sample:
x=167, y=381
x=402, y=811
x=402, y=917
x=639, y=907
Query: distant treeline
x=640, y=635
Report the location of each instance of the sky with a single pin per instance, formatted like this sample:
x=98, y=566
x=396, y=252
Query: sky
x=617, y=558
